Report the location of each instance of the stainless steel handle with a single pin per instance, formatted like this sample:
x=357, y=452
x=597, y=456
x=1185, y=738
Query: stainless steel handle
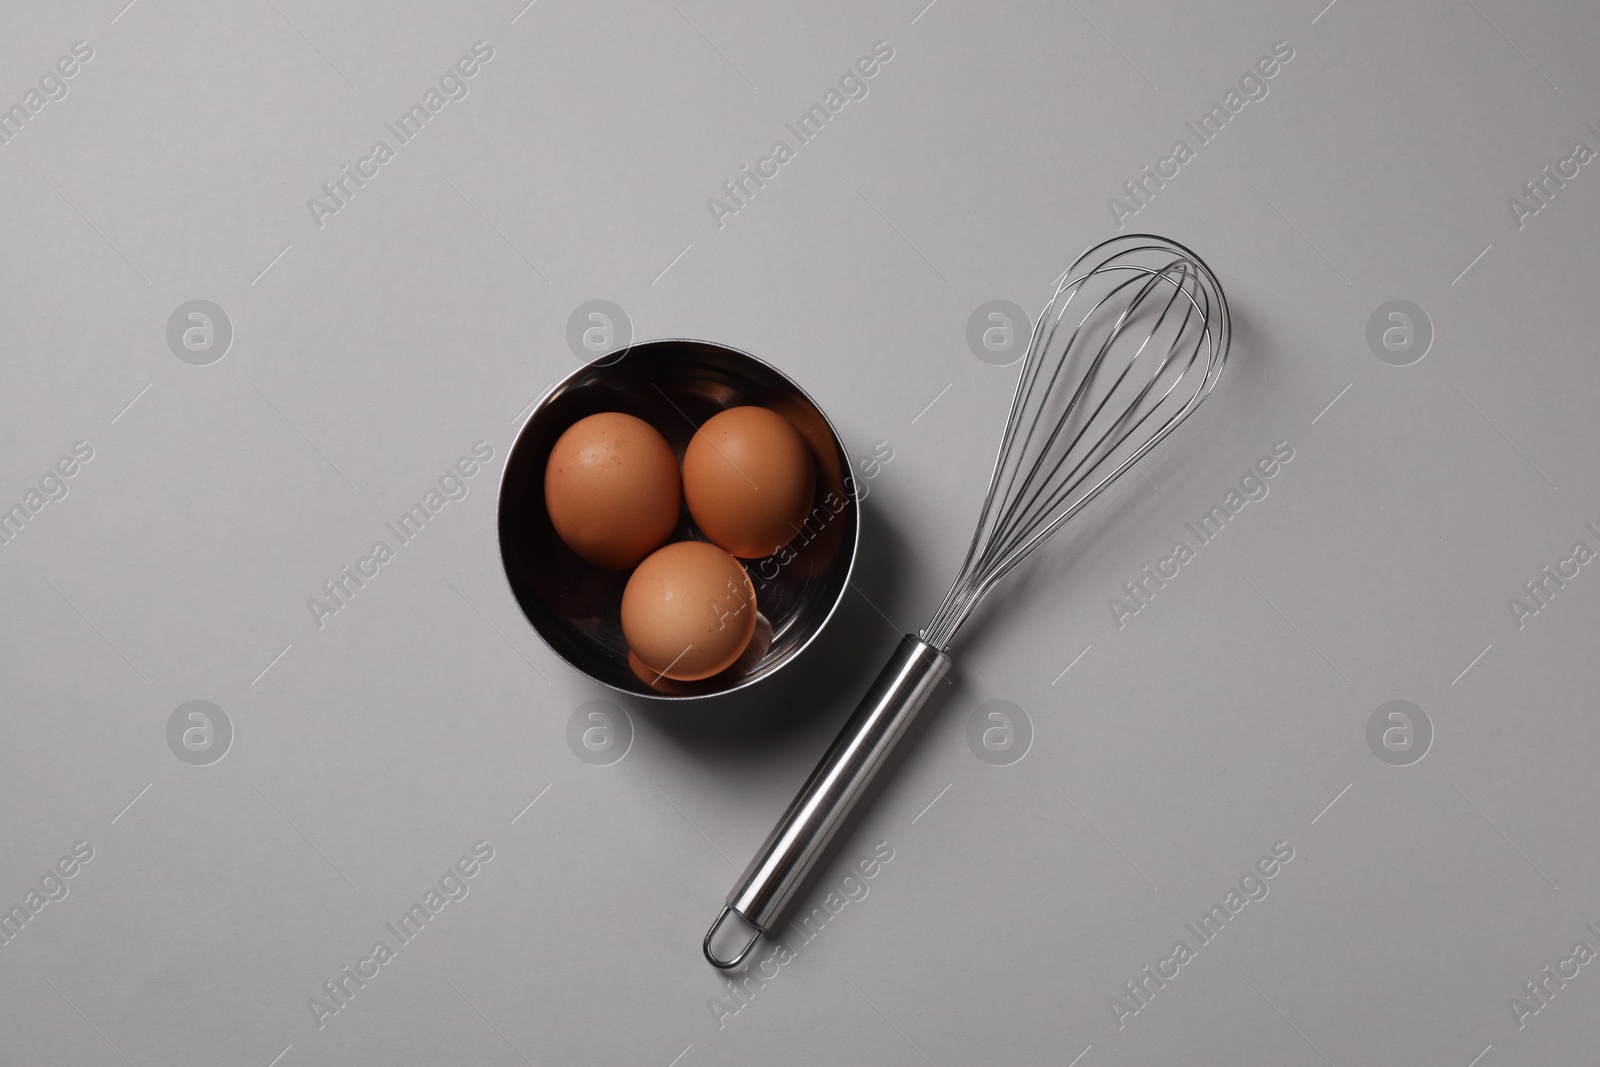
x=802, y=835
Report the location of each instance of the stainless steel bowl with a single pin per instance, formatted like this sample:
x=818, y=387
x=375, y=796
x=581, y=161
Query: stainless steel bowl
x=675, y=386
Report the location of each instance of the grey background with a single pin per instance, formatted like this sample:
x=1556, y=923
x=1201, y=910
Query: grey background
x=368, y=355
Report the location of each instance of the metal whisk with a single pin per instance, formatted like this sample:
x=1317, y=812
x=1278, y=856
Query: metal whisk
x=1132, y=340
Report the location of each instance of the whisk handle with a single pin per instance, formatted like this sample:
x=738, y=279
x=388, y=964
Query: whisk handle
x=801, y=837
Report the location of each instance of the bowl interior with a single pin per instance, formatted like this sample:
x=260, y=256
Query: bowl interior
x=675, y=386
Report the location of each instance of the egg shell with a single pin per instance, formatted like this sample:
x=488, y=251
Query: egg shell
x=689, y=611
x=749, y=479
x=612, y=489
x=813, y=550
x=749, y=660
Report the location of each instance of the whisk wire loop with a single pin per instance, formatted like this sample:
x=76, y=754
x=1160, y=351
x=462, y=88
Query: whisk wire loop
x=1094, y=396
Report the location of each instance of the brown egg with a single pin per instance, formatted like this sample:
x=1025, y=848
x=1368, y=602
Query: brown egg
x=688, y=611
x=655, y=679
x=822, y=531
x=612, y=489
x=749, y=478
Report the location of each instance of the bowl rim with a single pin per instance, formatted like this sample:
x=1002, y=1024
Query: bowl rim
x=609, y=359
